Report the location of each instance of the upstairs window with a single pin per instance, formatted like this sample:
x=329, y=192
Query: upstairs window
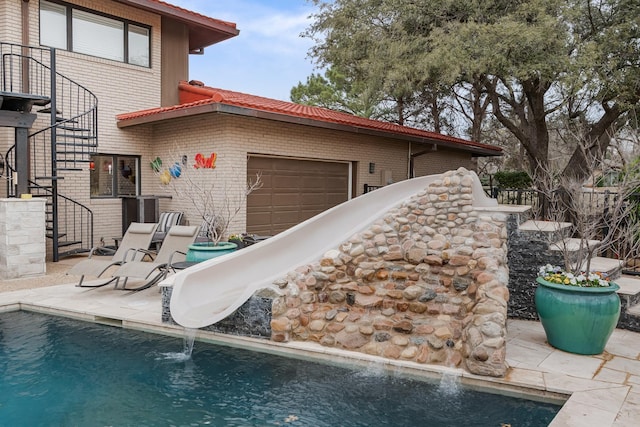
x=97, y=35
x=53, y=25
x=79, y=30
x=138, y=45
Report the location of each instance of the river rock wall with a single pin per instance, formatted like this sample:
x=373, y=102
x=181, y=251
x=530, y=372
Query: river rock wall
x=425, y=283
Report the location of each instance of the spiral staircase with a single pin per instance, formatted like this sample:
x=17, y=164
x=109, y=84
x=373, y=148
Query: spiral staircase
x=55, y=126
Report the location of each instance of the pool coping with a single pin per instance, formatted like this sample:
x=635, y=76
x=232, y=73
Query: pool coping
x=588, y=402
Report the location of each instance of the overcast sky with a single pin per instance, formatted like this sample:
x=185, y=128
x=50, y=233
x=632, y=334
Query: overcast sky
x=267, y=58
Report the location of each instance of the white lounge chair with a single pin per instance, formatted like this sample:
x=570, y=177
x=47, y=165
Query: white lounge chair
x=173, y=249
x=138, y=236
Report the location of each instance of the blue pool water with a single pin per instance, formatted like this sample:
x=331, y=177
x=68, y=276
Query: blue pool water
x=61, y=372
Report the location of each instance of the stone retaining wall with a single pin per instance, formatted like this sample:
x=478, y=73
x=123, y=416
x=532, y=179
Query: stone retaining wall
x=426, y=283
x=252, y=319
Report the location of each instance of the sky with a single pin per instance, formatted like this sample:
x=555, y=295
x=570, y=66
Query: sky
x=267, y=58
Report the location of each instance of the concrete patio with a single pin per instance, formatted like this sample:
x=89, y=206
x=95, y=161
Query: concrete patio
x=602, y=390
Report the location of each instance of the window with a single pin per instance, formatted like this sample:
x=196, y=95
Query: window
x=138, y=45
x=97, y=35
x=53, y=25
x=71, y=28
x=114, y=175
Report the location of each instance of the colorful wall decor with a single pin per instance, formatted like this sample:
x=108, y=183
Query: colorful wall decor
x=205, y=162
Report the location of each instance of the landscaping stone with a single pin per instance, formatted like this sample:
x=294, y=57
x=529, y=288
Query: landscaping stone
x=430, y=274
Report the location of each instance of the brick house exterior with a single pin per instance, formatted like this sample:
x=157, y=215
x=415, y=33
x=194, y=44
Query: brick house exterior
x=147, y=111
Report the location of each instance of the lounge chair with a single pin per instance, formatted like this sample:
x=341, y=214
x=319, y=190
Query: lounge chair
x=166, y=221
x=138, y=236
x=173, y=249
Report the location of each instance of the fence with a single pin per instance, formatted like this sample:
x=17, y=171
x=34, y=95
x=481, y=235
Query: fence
x=598, y=202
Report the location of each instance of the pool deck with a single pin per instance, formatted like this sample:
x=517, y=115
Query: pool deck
x=604, y=389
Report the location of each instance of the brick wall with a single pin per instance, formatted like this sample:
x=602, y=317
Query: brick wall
x=234, y=138
x=119, y=88
x=10, y=21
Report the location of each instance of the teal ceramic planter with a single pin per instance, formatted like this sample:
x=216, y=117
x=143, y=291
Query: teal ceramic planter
x=199, y=252
x=575, y=319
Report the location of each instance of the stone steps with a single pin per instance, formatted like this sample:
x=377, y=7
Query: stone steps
x=576, y=249
x=634, y=310
x=573, y=244
x=544, y=226
x=538, y=242
x=629, y=294
x=629, y=290
x=609, y=267
x=548, y=230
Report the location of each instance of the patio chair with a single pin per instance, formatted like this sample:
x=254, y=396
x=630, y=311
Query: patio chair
x=138, y=236
x=165, y=222
x=173, y=249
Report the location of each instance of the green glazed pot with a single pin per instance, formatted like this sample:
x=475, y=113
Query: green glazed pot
x=576, y=319
x=203, y=251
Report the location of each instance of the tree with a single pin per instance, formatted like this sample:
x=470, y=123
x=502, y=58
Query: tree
x=602, y=222
x=543, y=59
x=373, y=43
x=337, y=92
x=535, y=61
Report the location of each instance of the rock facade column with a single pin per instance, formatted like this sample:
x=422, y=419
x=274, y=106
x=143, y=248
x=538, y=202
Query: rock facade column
x=22, y=238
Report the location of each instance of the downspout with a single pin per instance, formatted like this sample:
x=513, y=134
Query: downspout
x=25, y=22
x=409, y=163
x=24, y=14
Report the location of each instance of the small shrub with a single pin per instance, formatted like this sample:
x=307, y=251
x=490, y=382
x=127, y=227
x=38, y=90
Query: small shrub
x=513, y=179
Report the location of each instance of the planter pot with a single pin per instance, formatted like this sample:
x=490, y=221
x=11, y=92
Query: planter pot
x=576, y=319
x=239, y=243
x=199, y=252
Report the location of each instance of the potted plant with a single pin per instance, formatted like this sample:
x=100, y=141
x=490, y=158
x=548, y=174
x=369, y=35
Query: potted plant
x=578, y=312
x=578, y=306
x=214, y=196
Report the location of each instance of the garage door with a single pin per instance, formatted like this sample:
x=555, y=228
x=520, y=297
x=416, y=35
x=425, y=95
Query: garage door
x=293, y=191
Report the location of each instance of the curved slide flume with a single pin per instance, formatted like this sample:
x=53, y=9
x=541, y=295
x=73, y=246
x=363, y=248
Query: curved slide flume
x=212, y=290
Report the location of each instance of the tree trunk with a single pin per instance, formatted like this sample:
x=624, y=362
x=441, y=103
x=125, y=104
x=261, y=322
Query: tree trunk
x=592, y=145
x=526, y=118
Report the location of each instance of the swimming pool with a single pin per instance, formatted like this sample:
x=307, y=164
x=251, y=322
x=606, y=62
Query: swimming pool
x=56, y=371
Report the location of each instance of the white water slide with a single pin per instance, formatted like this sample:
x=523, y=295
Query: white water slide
x=212, y=290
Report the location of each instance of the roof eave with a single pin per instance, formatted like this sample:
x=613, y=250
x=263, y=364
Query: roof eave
x=203, y=31
x=480, y=151
x=199, y=38
x=216, y=107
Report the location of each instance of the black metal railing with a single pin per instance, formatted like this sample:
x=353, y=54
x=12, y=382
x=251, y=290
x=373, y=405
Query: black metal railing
x=64, y=143
x=368, y=188
x=74, y=226
x=21, y=70
x=509, y=196
x=600, y=203
x=598, y=200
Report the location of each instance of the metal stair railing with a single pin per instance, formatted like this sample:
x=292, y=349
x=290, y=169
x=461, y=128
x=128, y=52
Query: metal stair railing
x=21, y=69
x=64, y=144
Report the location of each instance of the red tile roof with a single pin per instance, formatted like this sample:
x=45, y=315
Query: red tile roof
x=196, y=94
